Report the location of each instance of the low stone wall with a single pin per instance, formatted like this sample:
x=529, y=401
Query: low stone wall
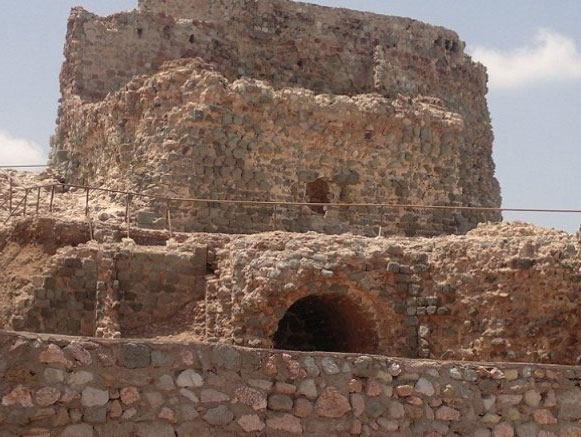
x=64, y=386
x=100, y=290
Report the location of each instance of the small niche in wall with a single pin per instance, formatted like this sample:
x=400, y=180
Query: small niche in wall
x=318, y=192
x=139, y=32
x=192, y=39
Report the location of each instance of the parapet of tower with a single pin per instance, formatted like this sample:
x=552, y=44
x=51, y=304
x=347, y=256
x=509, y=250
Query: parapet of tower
x=279, y=101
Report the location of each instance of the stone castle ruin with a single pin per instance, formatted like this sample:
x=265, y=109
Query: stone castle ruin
x=211, y=308
x=277, y=101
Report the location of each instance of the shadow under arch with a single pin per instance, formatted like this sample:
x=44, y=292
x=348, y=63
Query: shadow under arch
x=327, y=322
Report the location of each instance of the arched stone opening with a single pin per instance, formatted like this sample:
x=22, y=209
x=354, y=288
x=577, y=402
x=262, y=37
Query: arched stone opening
x=318, y=192
x=327, y=323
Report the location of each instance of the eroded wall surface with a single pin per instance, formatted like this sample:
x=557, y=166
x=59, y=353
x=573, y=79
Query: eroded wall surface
x=280, y=95
x=71, y=386
x=500, y=293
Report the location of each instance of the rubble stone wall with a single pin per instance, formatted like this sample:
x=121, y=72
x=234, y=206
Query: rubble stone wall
x=90, y=291
x=67, y=386
x=374, y=109
x=500, y=293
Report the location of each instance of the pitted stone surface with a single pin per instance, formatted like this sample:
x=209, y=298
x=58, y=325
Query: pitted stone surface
x=399, y=95
x=331, y=403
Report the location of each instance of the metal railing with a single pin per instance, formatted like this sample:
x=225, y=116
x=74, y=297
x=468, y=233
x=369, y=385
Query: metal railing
x=15, y=206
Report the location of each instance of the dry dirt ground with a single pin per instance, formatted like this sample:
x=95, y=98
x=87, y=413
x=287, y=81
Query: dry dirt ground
x=68, y=202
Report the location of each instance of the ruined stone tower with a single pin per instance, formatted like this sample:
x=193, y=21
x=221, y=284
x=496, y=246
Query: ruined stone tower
x=329, y=118
x=277, y=101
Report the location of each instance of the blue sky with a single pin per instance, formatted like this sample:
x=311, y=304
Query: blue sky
x=531, y=47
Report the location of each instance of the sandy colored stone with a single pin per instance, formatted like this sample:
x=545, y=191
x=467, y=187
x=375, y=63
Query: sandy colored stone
x=189, y=378
x=503, y=430
x=155, y=429
x=53, y=354
x=356, y=427
x=165, y=382
x=79, y=353
x=425, y=387
x=447, y=413
x=491, y=418
x=414, y=412
x=70, y=395
x=61, y=418
x=53, y=376
x=251, y=423
x=570, y=404
x=129, y=395
x=373, y=388
x=396, y=410
x=261, y=384
x=404, y=390
x=488, y=401
x=18, y=396
x=414, y=400
x=286, y=423
x=78, y=430
x=544, y=416
x=550, y=399
x=303, y=407
x=570, y=431
x=511, y=374
x=355, y=386
x=331, y=403
x=532, y=398
x=80, y=377
x=190, y=395
x=509, y=399
x=47, y=396
x=94, y=397
x=115, y=409
x=284, y=388
x=251, y=397
x=269, y=366
x=210, y=395
x=167, y=414
x=388, y=425
x=219, y=416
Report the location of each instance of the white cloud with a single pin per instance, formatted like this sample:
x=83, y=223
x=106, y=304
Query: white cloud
x=551, y=57
x=19, y=151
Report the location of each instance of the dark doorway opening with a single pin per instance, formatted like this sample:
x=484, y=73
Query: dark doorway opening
x=328, y=323
x=318, y=192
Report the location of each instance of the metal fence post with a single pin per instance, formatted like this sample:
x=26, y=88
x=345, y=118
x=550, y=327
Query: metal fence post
x=127, y=213
x=168, y=215
x=10, y=197
x=38, y=201
x=51, y=198
x=87, y=203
